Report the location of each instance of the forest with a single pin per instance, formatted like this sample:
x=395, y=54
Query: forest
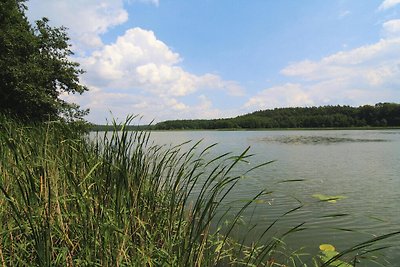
x=378, y=115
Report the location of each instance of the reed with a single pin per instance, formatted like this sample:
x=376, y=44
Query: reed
x=116, y=199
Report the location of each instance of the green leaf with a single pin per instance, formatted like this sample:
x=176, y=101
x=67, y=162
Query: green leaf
x=326, y=247
x=328, y=251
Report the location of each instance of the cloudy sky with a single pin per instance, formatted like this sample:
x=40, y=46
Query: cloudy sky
x=176, y=59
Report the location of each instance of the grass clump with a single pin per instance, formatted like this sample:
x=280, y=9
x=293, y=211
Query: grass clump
x=112, y=200
x=118, y=200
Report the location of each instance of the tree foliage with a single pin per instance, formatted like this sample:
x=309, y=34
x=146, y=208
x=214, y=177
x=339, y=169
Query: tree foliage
x=380, y=115
x=35, y=67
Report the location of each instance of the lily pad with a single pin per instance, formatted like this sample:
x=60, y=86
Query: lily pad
x=328, y=252
x=326, y=247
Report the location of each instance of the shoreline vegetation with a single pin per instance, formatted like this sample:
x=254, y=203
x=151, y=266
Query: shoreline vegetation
x=118, y=200
x=379, y=116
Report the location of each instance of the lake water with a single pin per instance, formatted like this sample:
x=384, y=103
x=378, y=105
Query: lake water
x=363, y=166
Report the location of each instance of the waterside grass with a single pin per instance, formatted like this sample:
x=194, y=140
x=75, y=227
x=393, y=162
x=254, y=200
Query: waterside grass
x=117, y=199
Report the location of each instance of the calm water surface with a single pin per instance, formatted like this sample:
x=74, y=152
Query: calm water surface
x=363, y=166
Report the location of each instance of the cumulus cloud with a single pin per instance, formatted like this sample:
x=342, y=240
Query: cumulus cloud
x=86, y=19
x=364, y=64
x=139, y=61
x=367, y=74
x=105, y=104
x=287, y=95
x=388, y=4
x=357, y=63
x=137, y=73
x=140, y=74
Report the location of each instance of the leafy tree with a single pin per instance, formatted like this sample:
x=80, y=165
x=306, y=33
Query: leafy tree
x=35, y=68
x=382, y=114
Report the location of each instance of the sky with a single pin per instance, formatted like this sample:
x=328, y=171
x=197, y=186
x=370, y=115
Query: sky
x=186, y=59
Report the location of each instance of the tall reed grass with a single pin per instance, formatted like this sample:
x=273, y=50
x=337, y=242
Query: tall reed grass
x=116, y=199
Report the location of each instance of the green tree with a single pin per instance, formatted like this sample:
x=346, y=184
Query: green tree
x=35, y=68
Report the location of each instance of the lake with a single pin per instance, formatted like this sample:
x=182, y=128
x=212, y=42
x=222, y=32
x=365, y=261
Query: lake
x=359, y=167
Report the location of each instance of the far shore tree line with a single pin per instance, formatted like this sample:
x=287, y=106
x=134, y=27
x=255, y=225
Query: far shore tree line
x=379, y=115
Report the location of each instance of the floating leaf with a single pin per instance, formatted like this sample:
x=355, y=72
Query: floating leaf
x=326, y=247
x=328, y=252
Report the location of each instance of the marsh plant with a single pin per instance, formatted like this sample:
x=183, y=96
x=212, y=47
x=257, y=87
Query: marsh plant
x=117, y=199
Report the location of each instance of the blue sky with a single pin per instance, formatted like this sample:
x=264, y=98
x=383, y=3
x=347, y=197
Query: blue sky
x=172, y=59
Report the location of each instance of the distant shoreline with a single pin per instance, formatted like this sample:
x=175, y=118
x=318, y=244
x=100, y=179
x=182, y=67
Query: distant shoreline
x=103, y=128
x=379, y=116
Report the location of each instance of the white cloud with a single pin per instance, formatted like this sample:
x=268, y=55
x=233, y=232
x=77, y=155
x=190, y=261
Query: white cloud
x=107, y=105
x=139, y=61
x=388, y=4
x=368, y=74
x=154, y=2
x=377, y=60
x=86, y=19
x=287, y=95
x=391, y=28
x=137, y=73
